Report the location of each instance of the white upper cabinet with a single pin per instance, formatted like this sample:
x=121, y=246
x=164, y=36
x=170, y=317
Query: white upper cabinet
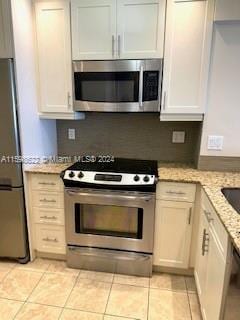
x=227, y=10
x=6, y=47
x=93, y=29
x=54, y=56
x=117, y=29
x=140, y=28
x=187, y=56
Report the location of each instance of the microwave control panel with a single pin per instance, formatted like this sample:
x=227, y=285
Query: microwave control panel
x=150, y=85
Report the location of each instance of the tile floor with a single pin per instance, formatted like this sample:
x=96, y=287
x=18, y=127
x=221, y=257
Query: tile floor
x=48, y=290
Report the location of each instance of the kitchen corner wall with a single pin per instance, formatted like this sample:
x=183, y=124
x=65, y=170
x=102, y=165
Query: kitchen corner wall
x=129, y=135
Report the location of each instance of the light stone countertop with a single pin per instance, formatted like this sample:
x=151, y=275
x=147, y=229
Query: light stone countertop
x=211, y=181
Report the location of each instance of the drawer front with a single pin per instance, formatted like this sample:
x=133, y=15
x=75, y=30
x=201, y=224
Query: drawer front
x=48, y=200
x=176, y=191
x=51, y=182
x=50, y=239
x=216, y=224
x=50, y=216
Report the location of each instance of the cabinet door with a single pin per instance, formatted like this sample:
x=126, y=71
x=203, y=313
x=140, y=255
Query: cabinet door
x=173, y=228
x=54, y=56
x=93, y=29
x=227, y=10
x=202, y=259
x=6, y=50
x=140, y=28
x=215, y=280
x=186, y=57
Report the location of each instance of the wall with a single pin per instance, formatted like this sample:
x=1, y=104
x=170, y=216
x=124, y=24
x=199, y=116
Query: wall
x=38, y=137
x=140, y=136
x=223, y=110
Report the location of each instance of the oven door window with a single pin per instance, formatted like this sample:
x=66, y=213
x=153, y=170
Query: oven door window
x=108, y=220
x=112, y=87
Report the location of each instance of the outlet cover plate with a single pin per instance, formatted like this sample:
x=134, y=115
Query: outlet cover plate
x=178, y=137
x=71, y=134
x=215, y=142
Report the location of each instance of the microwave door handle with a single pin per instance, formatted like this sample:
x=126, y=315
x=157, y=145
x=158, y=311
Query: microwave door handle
x=108, y=196
x=140, y=98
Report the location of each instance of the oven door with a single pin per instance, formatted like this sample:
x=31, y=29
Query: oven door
x=110, y=219
x=115, y=86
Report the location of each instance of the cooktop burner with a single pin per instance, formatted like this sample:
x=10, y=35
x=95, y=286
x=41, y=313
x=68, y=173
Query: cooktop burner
x=124, y=174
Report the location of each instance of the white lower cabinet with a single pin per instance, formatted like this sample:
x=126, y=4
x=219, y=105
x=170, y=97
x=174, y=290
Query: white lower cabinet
x=173, y=224
x=173, y=231
x=46, y=210
x=212, y=263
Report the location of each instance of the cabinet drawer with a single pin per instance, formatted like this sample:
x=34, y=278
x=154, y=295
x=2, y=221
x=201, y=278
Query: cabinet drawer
x=50, y=216
x=48, y=199
x=216, y=225
x=50, y=238
x=176, y=191
x=51, y=182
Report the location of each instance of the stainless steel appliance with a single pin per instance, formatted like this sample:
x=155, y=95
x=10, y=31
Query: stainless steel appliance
x=117, y=85
x=232, y=305
x=109, y=209
x=13, y=230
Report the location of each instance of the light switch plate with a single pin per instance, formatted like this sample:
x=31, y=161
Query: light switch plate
x=71, y=134
x=178, y=137
x=215, y=142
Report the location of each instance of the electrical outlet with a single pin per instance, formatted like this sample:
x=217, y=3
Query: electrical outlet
x=215, y=142
x=71, y=134
x=178, y=137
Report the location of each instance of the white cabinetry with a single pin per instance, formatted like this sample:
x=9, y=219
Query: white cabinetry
x=54, y=59
x=6, y=41
x=173, y=224
x=227, y=10
x=46, y=199
x=93, y=29
x=117, y=29
x=140, y=28
x=186, y=59
x=212, y=262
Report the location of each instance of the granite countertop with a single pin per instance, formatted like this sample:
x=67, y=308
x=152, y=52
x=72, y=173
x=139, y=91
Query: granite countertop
x=211, y=181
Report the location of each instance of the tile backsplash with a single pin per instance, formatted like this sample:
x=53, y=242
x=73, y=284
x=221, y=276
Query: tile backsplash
x=129, y=135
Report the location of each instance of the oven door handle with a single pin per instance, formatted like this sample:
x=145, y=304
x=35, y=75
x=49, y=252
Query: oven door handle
x=109, y=196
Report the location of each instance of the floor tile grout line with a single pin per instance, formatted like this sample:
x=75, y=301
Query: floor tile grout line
x=148, y=301
x=109, y=295
x=26, y=300
x=76, y=281
x=189, y=305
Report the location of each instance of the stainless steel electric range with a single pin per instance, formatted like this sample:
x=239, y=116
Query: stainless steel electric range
x=109, y=210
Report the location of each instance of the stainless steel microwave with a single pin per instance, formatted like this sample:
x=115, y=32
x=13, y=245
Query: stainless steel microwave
x=117, y=85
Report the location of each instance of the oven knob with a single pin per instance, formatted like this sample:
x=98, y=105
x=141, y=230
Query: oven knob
x=80, y=175
x=136, y=178
x=71, y=174
x=146, y=179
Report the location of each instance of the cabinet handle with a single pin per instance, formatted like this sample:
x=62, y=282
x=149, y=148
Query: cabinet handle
x=47, y=183
x=190, y=216
x=48, y=218
x=205, y=242
x=164, y=100
x=140, y=98
x=69, y=99
x=50, y=240
x=46, y=200
x=179, y=193
x=208, y=215
x=113, y=46
x=119, y=45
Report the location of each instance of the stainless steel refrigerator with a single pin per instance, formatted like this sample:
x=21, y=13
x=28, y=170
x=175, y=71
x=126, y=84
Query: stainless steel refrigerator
x=13, y=227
